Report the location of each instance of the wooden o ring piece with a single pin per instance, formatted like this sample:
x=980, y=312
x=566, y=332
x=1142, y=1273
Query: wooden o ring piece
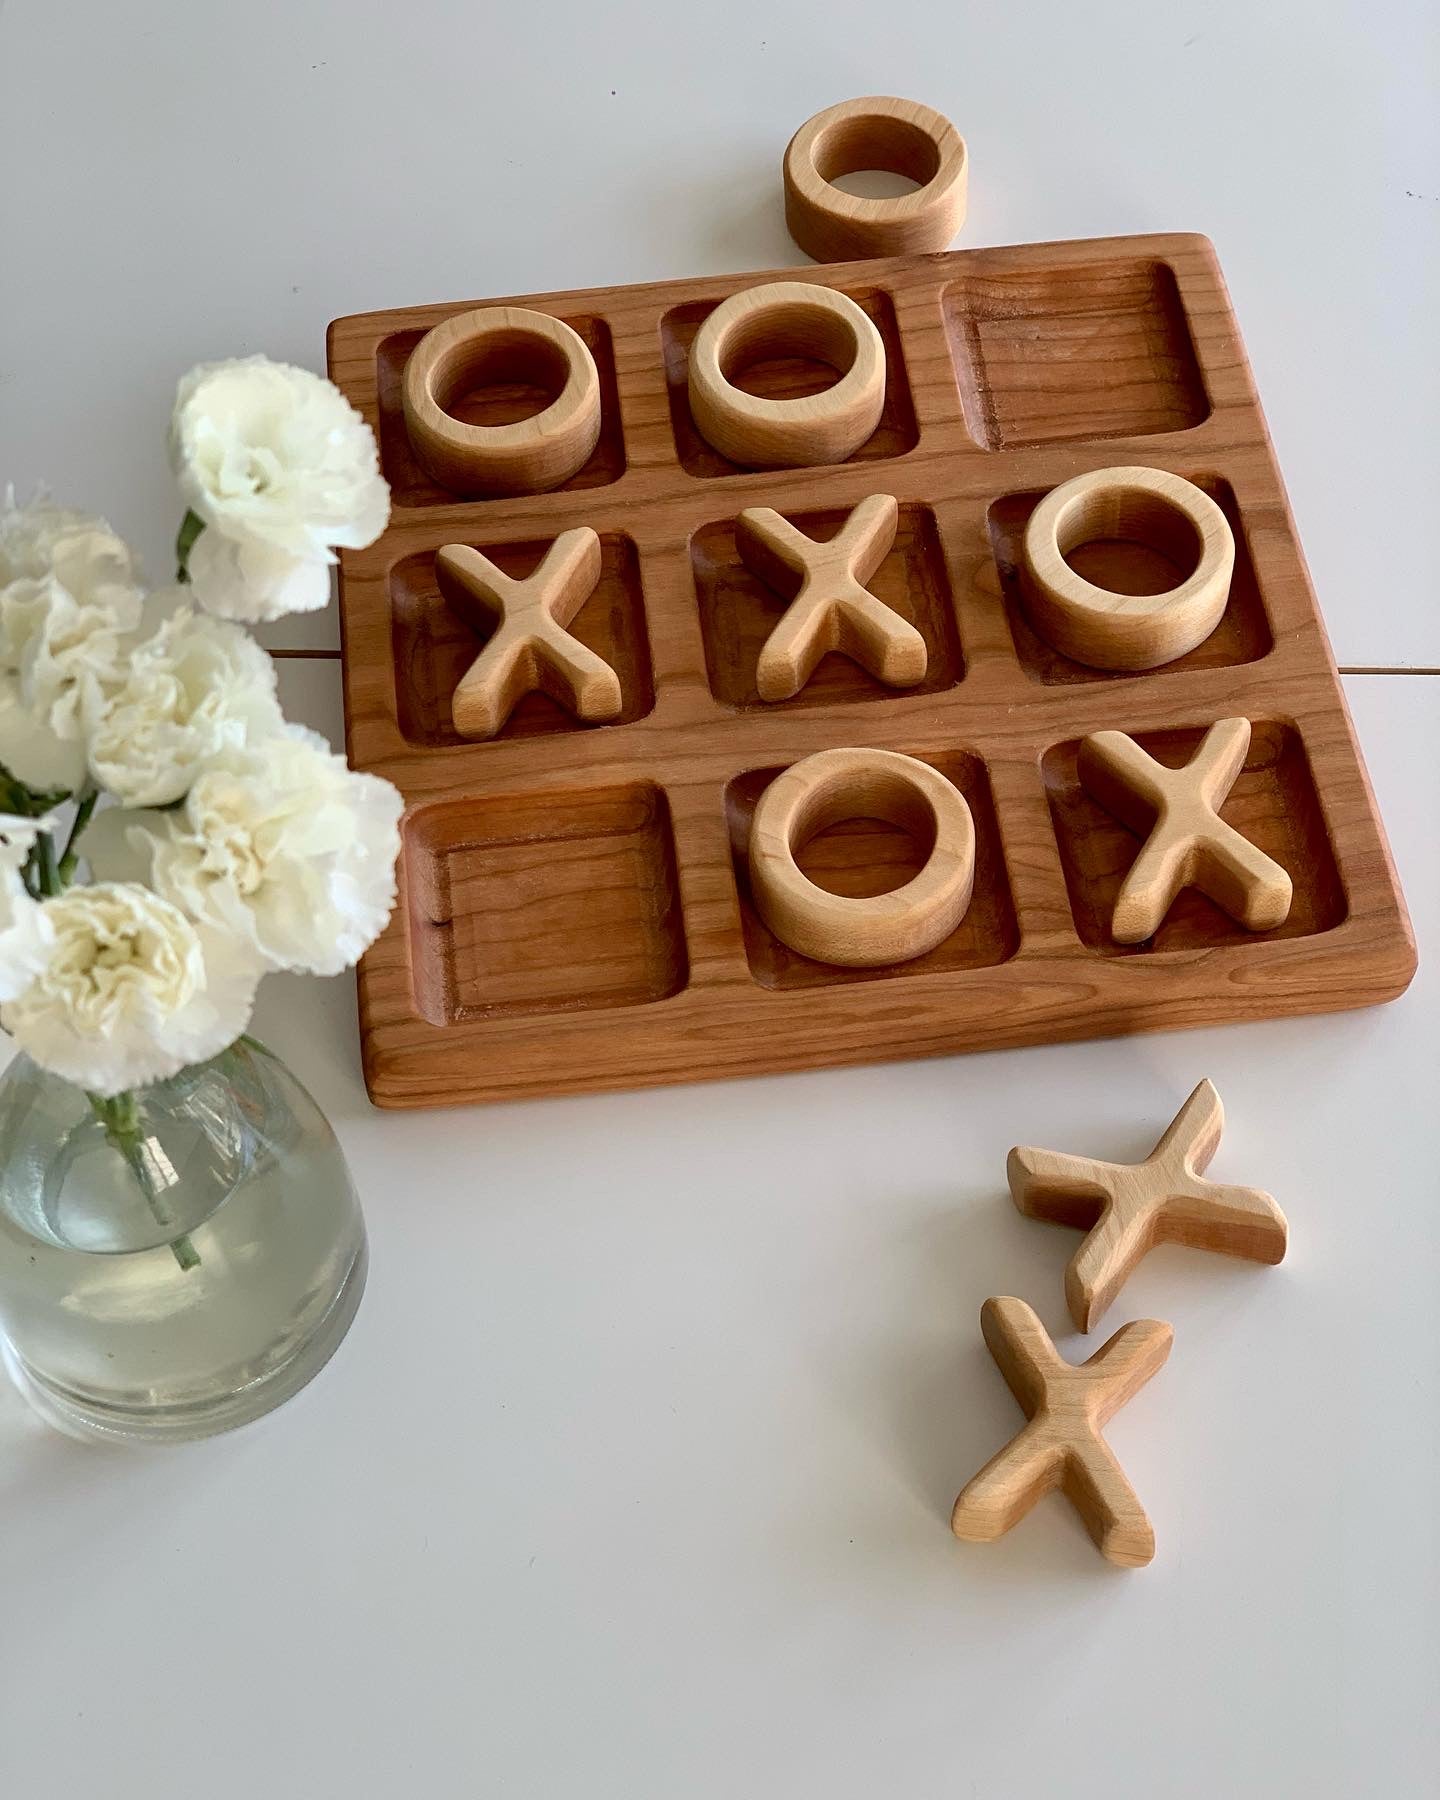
x=875, y=133
x=832, y=785
x=1106, y=630
x=502, y=343
x=787, y=318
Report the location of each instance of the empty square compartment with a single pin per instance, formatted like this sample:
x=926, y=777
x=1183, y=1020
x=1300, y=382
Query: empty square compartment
x=738, y=611
x=1242, y=636
x=433, y=645
x=860, y=857
x=543, y=903
x=785, y=378
x=501, y=403
x=1074, y=353
x=1273, y=803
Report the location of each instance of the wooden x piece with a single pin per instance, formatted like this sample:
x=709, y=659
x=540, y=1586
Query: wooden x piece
x=833, y=609
x=1187, y=844
x=1128, y=1207
x=530, y=651
x=1061, y=1447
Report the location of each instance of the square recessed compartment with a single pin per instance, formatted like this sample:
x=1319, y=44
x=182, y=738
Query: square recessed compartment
x=434, y=645
x=1072, y=353
x=494, y=404
x=1242, y=636
x=543, y=903
x=860, y=857
x=1273, y=803
x=738, y=611
x=785, y=378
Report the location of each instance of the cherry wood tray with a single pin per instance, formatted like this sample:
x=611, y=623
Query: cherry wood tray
x=574, y=910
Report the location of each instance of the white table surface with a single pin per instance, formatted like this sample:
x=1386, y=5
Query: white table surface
x=633, y=1477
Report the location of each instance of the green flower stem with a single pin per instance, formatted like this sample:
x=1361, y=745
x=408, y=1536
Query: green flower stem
x=190, y=528
x=47, y=869
x=120, y=1115
x=42, y=874
x=48, y=875
x=85, y=799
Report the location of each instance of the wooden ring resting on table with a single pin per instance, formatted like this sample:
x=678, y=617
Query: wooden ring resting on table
x=1105, y=630
x=875, y=133
x=502, y=343
x=832, y=785
x=787, y=318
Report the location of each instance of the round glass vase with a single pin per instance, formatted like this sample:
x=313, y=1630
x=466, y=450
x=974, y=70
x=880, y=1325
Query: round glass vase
x=176, y=1261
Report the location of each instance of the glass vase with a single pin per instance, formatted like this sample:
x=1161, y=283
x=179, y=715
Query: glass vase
x=179, y=1260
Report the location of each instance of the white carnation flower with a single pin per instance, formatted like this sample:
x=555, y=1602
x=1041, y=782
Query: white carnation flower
x=132, y=992
x=197, y=687
x=285, y=848
x=25, y=933
x=30, y=536
x=253, y=583
x=281, y=469
x=69, y=599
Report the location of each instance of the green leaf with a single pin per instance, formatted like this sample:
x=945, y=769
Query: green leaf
x=28, y=802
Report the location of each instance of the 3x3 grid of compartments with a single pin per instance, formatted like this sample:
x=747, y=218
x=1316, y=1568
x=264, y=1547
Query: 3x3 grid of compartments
x=575, y=909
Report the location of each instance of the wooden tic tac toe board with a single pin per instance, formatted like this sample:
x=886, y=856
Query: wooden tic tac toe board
x=574, y=910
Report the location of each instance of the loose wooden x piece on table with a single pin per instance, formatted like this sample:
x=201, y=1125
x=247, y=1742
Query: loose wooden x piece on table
x=1128, y=1208
x=1067, y=1406
x=575, y=909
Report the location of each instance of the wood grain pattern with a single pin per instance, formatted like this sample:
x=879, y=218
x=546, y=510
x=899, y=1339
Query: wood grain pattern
x=1128, y=1208
x=481, y=349
x=1061, y=1446
x=1185, y=843
x=854, y=931
x=833, y=609
x=764, y=324
x=530, y=648
x=1007, y=372
x=878, y=132
x=1129, y=628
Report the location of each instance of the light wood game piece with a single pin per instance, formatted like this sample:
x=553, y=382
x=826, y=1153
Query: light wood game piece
x=1127, y=1208
x=1067, y=1406
x=875, y=133
x=1187, y=843
x=780, y=319
x=832, y=785
x=530, y=651
x=833, y=609
x=502, y=343
x=1106, y=630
